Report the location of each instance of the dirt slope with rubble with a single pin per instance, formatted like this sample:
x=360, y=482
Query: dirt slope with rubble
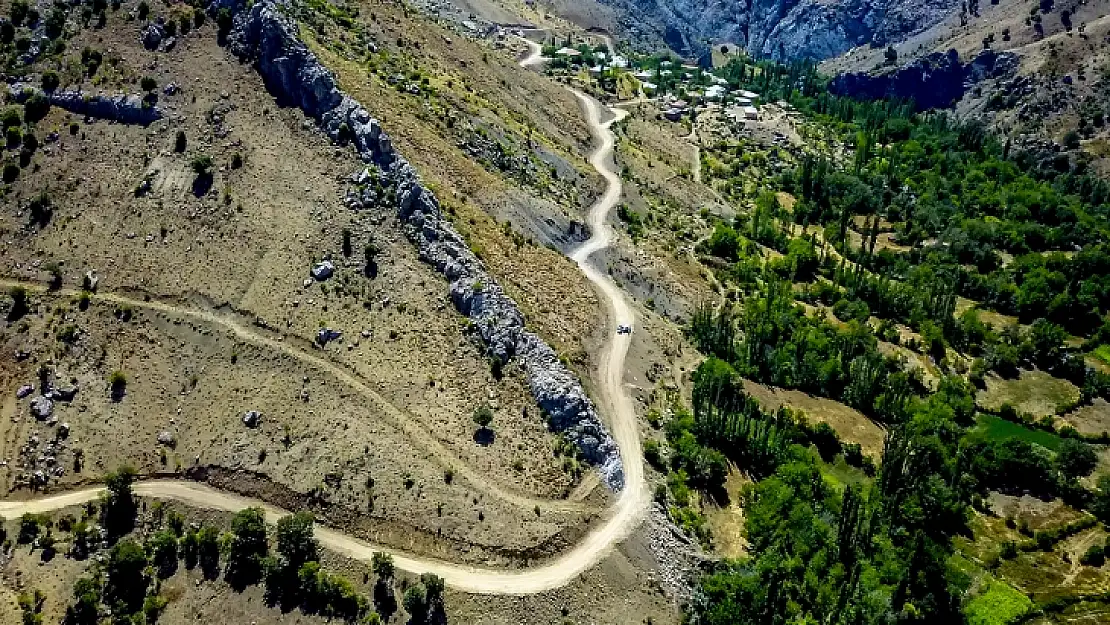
x=199, y=231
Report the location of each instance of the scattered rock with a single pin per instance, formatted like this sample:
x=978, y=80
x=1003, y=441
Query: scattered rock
x=151, y=35
x=24, y=391
x=296, y=77
x=252, y=418
x=42, y=408
x=91, y=279
x=326, y=335
x=323, y=270
x=167, y=438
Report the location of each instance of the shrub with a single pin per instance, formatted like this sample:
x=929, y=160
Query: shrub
x=201, y=164
x=180, y=142
x=483, y=416
x=117, y=380
x=50, y=80
x=1095, y=556
x=11, y=172
x=148, y=84
x=144, y=10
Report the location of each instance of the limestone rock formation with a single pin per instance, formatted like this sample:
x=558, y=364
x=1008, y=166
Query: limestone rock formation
x=268, y=38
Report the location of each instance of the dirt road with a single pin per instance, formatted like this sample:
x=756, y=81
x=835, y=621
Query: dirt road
x=632, y=502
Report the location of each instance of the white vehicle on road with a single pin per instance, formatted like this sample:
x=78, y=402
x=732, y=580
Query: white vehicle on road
x=624, y=329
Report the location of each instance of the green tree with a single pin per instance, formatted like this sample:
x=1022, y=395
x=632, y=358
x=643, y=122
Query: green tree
x=247, y=548
x=127, y=581
x=118, y=507
x=1075, y=458
x=86, y=606
x=483, y=416
x=295, y=540
x=162, y=548
x=208, y=551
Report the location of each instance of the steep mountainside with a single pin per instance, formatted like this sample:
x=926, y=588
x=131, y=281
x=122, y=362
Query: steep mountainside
x=780, y=29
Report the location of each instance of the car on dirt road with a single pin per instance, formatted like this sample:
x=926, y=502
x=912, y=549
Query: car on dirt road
x=624, y=329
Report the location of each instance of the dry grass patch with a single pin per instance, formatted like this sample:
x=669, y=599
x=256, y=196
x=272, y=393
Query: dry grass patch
x=850, y=424
x=1034, y=392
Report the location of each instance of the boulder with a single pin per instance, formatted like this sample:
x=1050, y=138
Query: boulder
x=327, y=335
x=323, y=270
x=42, y=407
x=252, y=418
x=167, y=438
x=24, y=391
x=151, y=35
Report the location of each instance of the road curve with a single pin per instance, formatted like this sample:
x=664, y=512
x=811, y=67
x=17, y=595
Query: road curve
x=632, y=502
x=535, y=54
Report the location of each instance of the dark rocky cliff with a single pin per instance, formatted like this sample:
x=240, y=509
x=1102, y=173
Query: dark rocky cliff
x=778, y=29
x=934, y=81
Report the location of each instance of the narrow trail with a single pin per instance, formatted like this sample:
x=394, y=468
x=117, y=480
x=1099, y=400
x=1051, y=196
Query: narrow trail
x=404, y=422
x=632, y=502
x=695, y=164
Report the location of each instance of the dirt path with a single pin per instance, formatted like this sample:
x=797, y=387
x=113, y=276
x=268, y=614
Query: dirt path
x=404, y=422
x=535, y=54
x=632, y=502
x=695, y=164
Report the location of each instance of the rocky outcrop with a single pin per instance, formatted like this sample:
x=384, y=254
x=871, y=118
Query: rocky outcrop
x=269, y=39
x=126, y=109
x=779, y=29
x=934, y=81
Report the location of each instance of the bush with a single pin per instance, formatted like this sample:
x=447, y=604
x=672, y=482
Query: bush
x=1095, y=556
x=117, y=380
x=148, y=83
x=144, y=10
x=201, y=164
x=50, y=80
x=20, y=306
x=483, y=416
x=247, y=549
x=11, y=172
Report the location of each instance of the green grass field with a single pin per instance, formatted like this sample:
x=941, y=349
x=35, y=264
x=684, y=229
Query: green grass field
x=1103, y=353
x=991, y=427
x=997, y=604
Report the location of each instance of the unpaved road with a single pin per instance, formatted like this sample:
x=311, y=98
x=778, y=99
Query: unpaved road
x=632, y=502
x=535, y=54
x=403, y=421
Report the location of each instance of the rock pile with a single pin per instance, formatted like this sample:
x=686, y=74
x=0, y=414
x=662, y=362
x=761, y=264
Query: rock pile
x=264, y=35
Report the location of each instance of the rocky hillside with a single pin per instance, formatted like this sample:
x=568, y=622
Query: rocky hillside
x=779, y=29
x=1029, y=69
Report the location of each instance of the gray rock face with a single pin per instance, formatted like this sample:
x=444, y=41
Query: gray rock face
x=296, y=77
x=779, y=29
x=934, y=81
x=126, y=109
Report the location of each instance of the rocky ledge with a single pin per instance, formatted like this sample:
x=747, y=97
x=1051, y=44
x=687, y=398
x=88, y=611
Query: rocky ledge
x=937, y=80
x=125, y=109
x=264, y=35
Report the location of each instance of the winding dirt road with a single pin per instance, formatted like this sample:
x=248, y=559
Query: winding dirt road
x=632, y=502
